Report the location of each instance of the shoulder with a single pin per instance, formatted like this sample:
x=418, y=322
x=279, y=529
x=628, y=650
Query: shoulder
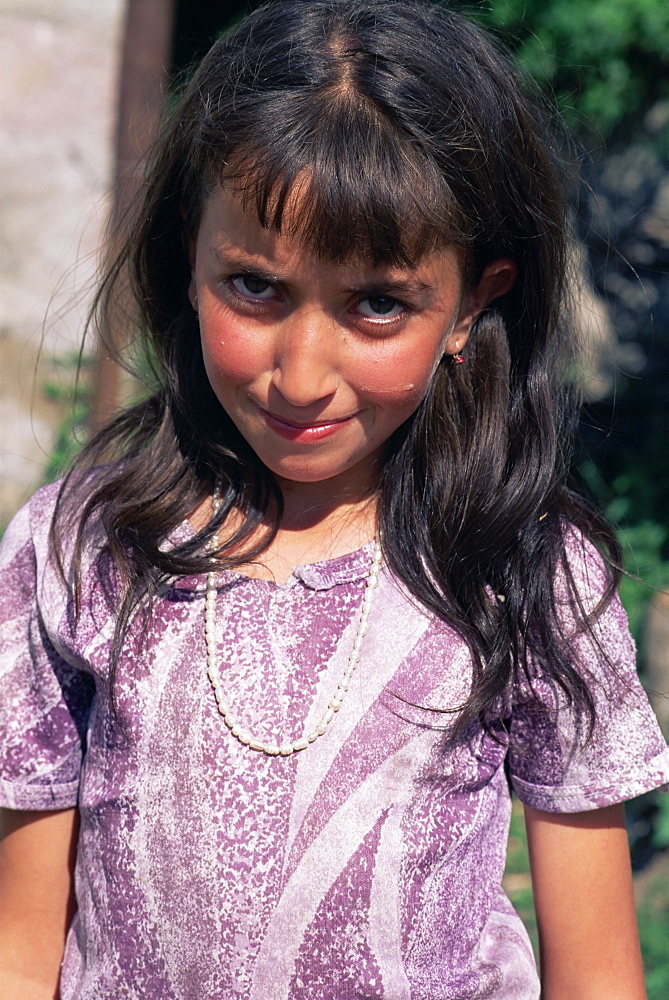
x=585, y=581
x=585, y=560
x=30, y=522
x=42, y=533
x=24, y=558
x=590, y=635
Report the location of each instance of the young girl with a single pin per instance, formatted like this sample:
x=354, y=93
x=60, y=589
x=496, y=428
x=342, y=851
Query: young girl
x=280, y=646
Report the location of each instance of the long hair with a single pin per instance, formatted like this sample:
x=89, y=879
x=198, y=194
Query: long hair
x=407, y=131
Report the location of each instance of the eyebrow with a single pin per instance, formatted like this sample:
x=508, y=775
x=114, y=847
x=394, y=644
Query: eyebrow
x=238, y=258
x=244, y=261
x=401, y=287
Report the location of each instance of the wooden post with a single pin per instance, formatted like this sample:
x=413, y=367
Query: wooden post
x=145, y=65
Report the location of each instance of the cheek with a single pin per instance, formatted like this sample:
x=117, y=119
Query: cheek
x=231, y=353
x=399, y=377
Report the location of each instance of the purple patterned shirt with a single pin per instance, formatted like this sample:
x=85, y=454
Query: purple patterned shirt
x=367, y=866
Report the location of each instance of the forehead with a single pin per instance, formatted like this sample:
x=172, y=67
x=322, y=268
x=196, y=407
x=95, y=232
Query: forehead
x=231, y=228
x=343, y=211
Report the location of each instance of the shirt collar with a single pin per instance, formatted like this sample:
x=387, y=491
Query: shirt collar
x=323, y=575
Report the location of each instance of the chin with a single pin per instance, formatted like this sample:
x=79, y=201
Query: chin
x=305, y=475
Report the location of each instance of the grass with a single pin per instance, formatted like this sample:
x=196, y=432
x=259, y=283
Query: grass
x=651, y=892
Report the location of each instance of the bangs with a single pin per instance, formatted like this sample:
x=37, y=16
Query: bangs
x=341, y=179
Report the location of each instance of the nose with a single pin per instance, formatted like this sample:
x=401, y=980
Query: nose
x=305, y=371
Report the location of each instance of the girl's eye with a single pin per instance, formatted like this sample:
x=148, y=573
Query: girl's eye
x=380, y=307
x=249, y=286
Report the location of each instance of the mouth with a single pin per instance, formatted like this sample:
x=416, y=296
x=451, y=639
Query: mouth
x=314, y=431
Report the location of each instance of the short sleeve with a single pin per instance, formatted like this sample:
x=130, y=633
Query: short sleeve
x=552, y=767
x=44, y=701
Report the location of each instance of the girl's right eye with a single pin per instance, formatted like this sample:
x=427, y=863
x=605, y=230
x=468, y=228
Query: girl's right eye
x=252, y=288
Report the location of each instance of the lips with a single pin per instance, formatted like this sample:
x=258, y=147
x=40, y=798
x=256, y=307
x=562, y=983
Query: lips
x=303, y=432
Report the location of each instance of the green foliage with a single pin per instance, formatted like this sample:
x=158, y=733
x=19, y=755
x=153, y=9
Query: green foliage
x=603, y=60
x=642, y=545
x=631, y=502
x=653, y=915
x=71, y=389
x=660, y=839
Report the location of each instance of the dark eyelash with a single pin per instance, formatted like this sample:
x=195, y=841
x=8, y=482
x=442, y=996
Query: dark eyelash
x=229, y=283
x=255, y=274
x=404, y=306
x=252, y=274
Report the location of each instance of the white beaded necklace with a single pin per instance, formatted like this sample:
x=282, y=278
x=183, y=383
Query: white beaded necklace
x=214, y=674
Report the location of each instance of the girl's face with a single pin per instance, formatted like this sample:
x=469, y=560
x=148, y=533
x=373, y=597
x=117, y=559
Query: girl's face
x=317, y=363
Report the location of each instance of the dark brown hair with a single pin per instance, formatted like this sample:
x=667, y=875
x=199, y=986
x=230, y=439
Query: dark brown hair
x=414, y=133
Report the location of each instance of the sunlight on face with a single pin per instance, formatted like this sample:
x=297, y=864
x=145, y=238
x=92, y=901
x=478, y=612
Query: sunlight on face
x=318, y=363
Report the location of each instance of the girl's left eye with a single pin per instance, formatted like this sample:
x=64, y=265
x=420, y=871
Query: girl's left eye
x=250, y=286
x=380, y=307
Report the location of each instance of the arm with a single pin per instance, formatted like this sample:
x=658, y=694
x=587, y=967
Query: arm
x=37, y=853
x=582, y=882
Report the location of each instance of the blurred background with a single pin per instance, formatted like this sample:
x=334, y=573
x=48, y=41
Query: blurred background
x=84, y=83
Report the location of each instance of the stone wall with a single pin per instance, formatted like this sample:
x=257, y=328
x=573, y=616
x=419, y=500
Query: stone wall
x=59, y=62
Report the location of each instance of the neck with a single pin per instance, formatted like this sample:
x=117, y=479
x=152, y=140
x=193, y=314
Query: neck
x=315, y=527
x=322, y=505
x=317, y=524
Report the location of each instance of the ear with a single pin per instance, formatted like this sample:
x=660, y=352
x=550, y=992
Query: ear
x=497, y=279
x=192, y=248
x=192, y=294
x=191, y=243
x=192, y=287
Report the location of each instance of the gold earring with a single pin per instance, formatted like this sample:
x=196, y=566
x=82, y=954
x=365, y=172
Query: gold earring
x=457, y=358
